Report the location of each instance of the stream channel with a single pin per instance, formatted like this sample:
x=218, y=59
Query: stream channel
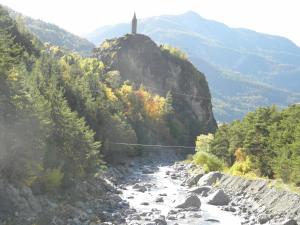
x=160, y=185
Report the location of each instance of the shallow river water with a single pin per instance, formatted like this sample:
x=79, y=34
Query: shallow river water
x=174, y=194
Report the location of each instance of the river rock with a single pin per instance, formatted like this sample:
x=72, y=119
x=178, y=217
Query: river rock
x=162, y=194
x=263, y=219
x=147, y=170
x=209, y=179
x=193, y=180
x=191, y=201
x=180, y=216
x=200, y=190
x=213, y=220
x=161, y=220
x=289, y=222
x=139, y=187
x=135, y=217
x=219, y=197
x=171, y=217
x=159, y=199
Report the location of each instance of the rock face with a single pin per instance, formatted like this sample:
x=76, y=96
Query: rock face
x=190, y=202
x=140, y=60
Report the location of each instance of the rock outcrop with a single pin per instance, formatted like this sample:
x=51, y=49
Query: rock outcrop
x=141, y=61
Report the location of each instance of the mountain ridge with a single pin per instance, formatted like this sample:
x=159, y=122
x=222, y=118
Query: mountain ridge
x=54, y=34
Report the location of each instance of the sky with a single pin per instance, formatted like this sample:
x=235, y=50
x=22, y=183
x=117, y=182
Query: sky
x=279, y=17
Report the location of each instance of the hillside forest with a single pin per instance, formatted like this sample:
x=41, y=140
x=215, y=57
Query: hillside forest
x=266, y=143
x=60, y=113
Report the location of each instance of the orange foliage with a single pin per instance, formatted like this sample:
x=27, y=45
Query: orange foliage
x=240, y=155
x=153, y=104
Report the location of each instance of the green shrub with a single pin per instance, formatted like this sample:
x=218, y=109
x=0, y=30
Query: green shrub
x=208, y=161
x=52, y=180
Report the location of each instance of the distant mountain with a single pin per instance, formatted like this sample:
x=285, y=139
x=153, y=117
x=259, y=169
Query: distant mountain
x=245, y=69
x=55, y=35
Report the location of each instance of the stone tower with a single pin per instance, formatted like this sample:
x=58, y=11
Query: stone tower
x=134, y=24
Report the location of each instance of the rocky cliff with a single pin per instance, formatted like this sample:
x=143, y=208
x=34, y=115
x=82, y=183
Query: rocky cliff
x=141, y=61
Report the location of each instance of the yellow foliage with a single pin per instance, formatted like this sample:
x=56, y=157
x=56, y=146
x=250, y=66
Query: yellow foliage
x=174, y=51
x=105, y=45
x=110, y=94
x=13, y=75
x=125, y=90
x=241, y=167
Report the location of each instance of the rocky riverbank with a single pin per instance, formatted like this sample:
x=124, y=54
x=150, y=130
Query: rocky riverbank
x=139, y=194
x=253, y=200
x=94, y=201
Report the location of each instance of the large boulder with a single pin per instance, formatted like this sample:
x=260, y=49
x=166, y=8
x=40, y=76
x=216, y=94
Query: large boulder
x=191, y=201
x=209, y=179
x=219, y=197
x=289, y=222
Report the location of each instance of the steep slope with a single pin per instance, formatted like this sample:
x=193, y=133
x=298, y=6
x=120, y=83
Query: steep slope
x=142, y=62
x=268, y=64
x=54, y=35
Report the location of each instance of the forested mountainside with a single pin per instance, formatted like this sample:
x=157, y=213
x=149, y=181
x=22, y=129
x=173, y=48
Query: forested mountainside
x=244, y=69
x=54, y=35
x=62, y=115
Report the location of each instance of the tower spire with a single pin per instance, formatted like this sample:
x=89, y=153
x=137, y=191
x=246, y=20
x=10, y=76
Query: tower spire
x=134, y=24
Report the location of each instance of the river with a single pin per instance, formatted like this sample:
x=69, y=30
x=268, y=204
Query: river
x=160, y=185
